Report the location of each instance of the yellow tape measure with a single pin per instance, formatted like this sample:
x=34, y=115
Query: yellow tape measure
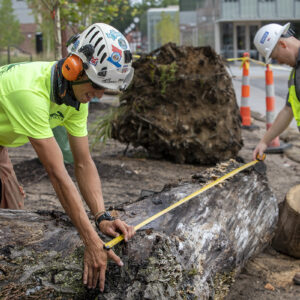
x=118, y=239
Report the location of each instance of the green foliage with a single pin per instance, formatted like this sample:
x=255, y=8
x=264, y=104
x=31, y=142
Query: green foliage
x=102, y=127
x=167, y=75
x=152, y=72
x=13, y=59
x=78, y=15
x=168, y=28
x=142, y=6
x=9, y=25
x=83, y=13
x=125, y=16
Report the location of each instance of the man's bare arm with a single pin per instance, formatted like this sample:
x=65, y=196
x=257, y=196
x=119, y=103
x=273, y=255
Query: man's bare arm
x=90, y=187
x=95, y=257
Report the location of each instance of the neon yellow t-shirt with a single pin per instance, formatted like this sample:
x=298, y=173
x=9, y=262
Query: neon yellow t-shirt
x=26, y=109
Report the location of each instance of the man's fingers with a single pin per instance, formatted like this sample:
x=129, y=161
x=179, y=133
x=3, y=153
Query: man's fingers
x=113, y=256
x=121, y=226
x=112, y=232
x=95, y=278
x=131, y=231
x=85, y=273
x=102, y=278
x=90, y=278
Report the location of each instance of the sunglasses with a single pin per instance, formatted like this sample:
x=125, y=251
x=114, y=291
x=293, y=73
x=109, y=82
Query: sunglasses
x=94, y=85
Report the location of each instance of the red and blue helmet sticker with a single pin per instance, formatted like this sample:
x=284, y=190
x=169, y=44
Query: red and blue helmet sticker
x=113, y=34
x=94, y=61
x=115, y=56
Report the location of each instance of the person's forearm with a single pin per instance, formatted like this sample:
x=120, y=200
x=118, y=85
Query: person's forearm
x=72, y=204
x=90, y=185
x=281, y=122
x=51, y=157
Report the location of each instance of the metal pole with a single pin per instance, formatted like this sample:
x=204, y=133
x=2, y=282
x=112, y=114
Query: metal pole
x=8, y=54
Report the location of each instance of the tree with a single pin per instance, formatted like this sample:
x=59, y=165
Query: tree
x=76, y=15
x=9, y=25
x=48, y=12
x=140, y=10
x=168, y=28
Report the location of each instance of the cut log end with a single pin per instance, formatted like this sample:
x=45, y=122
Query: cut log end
x=287, y=238
x=293, y=198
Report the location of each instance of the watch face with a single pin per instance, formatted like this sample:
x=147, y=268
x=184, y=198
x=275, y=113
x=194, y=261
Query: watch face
x=107, y=214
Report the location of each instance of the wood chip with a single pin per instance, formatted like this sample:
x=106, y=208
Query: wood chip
x=269, y=287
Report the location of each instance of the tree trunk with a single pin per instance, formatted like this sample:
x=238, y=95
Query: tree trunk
x=193, y=251
x=57, y=33
x=64, y=40
x=287, y=237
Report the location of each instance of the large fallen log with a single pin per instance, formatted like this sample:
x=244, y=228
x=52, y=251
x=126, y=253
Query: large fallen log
x=195, y=250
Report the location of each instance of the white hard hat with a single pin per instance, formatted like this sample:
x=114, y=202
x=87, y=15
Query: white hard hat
x=105, y=54
x=267, y=37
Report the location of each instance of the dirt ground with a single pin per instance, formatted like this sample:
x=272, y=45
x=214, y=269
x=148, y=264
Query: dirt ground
x=126, y=176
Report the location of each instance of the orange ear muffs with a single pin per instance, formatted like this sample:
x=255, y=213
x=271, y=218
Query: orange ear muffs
x=72, y=67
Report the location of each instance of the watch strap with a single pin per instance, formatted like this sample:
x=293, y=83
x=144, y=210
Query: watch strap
x=104, y=217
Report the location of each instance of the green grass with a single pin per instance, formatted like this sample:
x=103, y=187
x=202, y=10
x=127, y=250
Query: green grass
x=13, y=59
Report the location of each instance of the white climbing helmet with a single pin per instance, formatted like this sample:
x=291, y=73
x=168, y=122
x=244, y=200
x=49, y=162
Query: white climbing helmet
x=105, y=54
x=267, y=37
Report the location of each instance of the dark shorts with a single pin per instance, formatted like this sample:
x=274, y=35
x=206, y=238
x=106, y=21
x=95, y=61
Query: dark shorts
x=12, y=194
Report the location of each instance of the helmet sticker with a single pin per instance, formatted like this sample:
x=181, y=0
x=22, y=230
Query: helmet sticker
x=109, y=80
x=122, y=43
x=115, y=57
x=263, y=39
x=94, y=61
x=75, y=45
x=113, y=34
x=124, y=69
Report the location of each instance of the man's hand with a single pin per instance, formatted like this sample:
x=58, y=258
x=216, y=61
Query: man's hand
x=115, y=227
x=95, y=263
x=259, y=150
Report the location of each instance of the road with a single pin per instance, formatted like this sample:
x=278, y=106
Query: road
x=257, y=100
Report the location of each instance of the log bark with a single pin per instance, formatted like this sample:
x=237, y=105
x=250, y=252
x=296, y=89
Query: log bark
x=287, y=237
x=194, y=251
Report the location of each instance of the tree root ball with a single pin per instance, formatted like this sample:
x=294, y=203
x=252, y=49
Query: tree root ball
x=181, y=106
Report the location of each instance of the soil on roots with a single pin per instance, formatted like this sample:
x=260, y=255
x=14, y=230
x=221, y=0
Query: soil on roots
x=181, y=106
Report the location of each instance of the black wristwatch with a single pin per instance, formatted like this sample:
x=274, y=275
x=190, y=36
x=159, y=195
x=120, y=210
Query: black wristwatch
x=105, y=216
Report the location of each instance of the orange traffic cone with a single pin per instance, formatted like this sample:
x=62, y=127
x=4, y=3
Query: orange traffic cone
x=275, y=146
x=245, y=108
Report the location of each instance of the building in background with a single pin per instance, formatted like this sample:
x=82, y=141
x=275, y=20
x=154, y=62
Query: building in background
x=134, y=36
x=154, y=17
x=28, y=26
x=229, y=26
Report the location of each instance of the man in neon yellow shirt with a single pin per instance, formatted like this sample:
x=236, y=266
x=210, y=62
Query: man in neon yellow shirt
x=38, y=96
x=274, y=41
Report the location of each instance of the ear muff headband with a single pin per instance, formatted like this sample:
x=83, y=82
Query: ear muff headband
x=72, y=67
